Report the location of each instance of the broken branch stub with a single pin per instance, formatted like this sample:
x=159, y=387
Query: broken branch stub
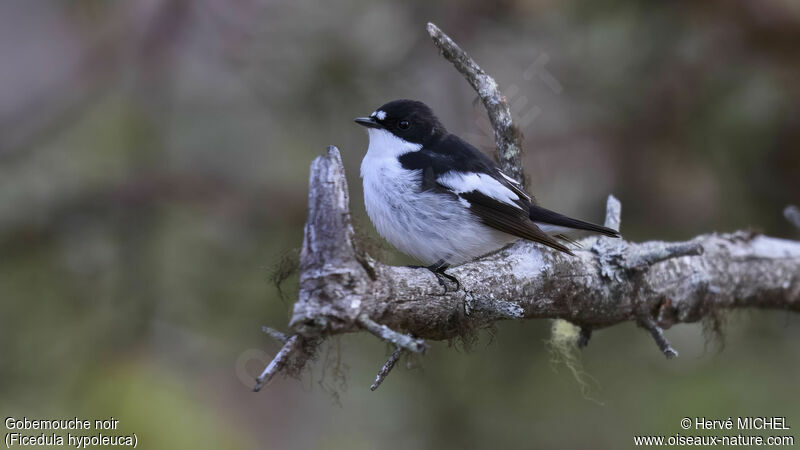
x=332, y=280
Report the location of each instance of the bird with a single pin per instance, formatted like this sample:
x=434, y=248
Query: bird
x=439, y=199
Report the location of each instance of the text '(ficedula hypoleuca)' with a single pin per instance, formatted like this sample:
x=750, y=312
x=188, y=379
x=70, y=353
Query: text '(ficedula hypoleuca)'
x=439, y=199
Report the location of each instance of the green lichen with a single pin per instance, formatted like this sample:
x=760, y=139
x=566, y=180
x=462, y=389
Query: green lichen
x=563, y=348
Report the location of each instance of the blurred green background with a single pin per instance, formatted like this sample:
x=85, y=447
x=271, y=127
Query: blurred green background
x=153, y=169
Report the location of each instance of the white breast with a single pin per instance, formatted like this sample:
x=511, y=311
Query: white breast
x=426, y=225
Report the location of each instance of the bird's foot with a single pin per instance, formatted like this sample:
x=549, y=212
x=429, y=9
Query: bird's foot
x=442, y=277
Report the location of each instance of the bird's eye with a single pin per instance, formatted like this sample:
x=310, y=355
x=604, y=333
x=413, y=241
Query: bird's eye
x=403, y=124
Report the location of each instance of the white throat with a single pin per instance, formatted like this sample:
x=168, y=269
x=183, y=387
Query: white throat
x=385, y=145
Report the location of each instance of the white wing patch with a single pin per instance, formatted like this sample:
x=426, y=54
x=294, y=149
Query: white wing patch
x=460, y=182
x=514, y=183
x=510, y=180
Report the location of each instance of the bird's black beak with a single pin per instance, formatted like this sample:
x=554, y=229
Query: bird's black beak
x=368, y=122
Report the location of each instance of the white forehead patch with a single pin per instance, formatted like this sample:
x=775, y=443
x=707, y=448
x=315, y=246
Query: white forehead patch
x=379, y=114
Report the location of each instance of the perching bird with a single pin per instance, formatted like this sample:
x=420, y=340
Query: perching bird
x=439, y=199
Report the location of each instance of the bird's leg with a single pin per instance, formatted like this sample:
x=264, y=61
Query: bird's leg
x=438, y=268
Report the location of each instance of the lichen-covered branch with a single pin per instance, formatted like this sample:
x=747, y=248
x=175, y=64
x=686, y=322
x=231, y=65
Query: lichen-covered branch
x=387, y=367
x=654, y=284
x=275, y=334
x=649, y=324
x=596, y=288
x=507, y=137
x=393, y=337
x=278, y=363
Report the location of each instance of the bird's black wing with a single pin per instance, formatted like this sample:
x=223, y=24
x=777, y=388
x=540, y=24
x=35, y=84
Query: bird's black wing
x=454, y=167
x=451, y=153
x=508, y=219
x=543, y=215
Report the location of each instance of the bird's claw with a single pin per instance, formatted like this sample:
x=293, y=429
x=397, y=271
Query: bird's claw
x=441, y=277
x=438, y=270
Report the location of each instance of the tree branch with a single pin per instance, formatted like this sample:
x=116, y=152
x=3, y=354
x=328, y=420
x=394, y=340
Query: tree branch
x=650, y=325
x=275, y=334
x=507, y=137
x=595, y=288
x=401, y=340
x=278, y=363
x=609, y=281
x=655, y=284
x=393, y=358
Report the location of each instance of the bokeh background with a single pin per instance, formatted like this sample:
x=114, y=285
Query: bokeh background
x=153, y=172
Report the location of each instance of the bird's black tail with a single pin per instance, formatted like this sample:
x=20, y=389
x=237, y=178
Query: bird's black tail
x=543, y=215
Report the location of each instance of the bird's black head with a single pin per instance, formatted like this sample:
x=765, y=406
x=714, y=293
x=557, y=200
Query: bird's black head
x=409, y=120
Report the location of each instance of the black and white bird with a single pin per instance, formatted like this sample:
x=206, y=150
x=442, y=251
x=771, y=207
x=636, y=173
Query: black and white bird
x=439, y=199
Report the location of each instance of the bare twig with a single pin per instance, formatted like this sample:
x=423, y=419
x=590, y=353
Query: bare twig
x=650, y=325
x=277, y=363
x=393, y=337
x=387, y=367
x=507, y=136
x=275, y=334
x=792, y=214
